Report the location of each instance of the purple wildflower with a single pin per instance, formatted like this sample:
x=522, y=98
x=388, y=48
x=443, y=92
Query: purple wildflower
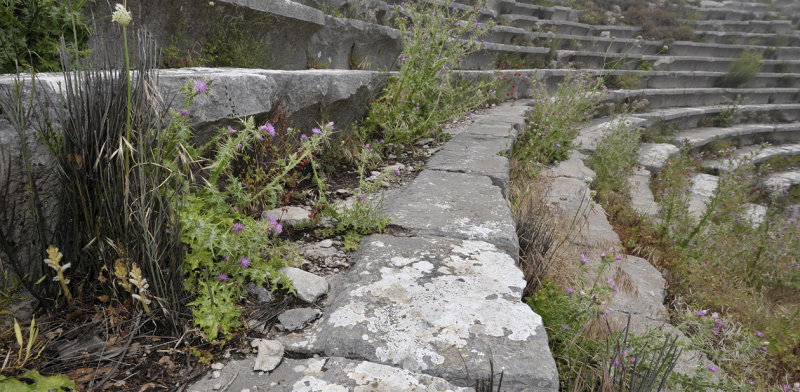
x=397, y=172
x=244, y=262
x=237, y=227
x=268, y=128
x=361, y=197
x=200, y=87
x=759, y=334
x=316, y=131
x=700, y=313
x=274, y=226
x=712, y=369
x=303, y=137
x=230, y=128
x=584, y=260
x=223, y=277
x=569, y=290
x=184, y=113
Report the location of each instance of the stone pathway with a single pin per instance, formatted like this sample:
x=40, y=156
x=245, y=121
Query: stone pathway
x=433, y=305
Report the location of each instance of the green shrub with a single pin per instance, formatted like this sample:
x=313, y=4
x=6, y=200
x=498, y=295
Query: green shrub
x=615, y=158
x=226, y=247
x=589, y=355
x=425, y=93
x=554, y=118
x=742, y=70
x=32, y=30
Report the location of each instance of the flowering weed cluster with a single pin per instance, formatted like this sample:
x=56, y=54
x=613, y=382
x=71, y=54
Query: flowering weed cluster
x=436, y=38
x=228, y=247
x=364, y=215
x=718, y=259
x=588, y=353
x=555, y=116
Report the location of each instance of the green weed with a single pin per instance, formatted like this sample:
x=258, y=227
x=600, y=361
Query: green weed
x=741, y=71
x=424, y=93
x=555, y=116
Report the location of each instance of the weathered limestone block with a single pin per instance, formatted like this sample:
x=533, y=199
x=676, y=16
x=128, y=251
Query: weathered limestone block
x=436, y=305
x=454, y=205
x=334, y=374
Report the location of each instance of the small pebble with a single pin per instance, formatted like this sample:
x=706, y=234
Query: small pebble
x=217, y=366
x=216, y=374
x=217, y=386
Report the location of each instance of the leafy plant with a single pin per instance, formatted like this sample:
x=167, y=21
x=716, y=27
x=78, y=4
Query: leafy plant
x=227, y=247
x=742, y=70
x=555, y=116
x=364, y=215
x=425, y=93
x=32, y=29
x=33, y=381
x=615, y=158
x=589, y=354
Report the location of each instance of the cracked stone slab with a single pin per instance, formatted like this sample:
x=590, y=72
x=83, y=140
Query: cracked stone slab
x=572, y=167
x=454, y=205
x=642, y=200
x=569, y=197
x=437, y=306
x=654, y=156
x=647, y=298
x=474, y=155
x=322, y=374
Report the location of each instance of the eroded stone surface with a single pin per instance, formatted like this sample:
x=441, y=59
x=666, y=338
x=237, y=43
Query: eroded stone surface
x=309, y=287
x=642, y=200
x=270, y=353
x=454, y=205
x=434, y=305
x=573, y=167
x=297, y=319
x=647, y=297
x=333, y=374
x=474, y=154
x=290, y=215
x=653, y=156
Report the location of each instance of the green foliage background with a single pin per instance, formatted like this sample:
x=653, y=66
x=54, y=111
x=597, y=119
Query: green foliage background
x=32, y=30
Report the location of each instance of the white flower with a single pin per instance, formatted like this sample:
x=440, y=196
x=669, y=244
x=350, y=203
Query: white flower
x=587, y=180
x=121, y=15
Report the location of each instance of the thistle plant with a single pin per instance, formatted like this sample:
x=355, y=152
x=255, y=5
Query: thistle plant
x=437, y=38
x=363, y=216
x=53, y=260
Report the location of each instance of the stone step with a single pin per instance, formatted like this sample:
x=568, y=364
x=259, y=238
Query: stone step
x=538, y=11
x=586, y=59
x=780, y=182
x=753, y=154
x=737, y=5
x=766, y=39
x=743, y=134
x=728, y=13
x=692, y=97
x=494, y=55
x=745, y=26
x=518, y=36
x=320, y=374
x=532, y=23
x=325, y=41
x=344, y=95
x=686, y=118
